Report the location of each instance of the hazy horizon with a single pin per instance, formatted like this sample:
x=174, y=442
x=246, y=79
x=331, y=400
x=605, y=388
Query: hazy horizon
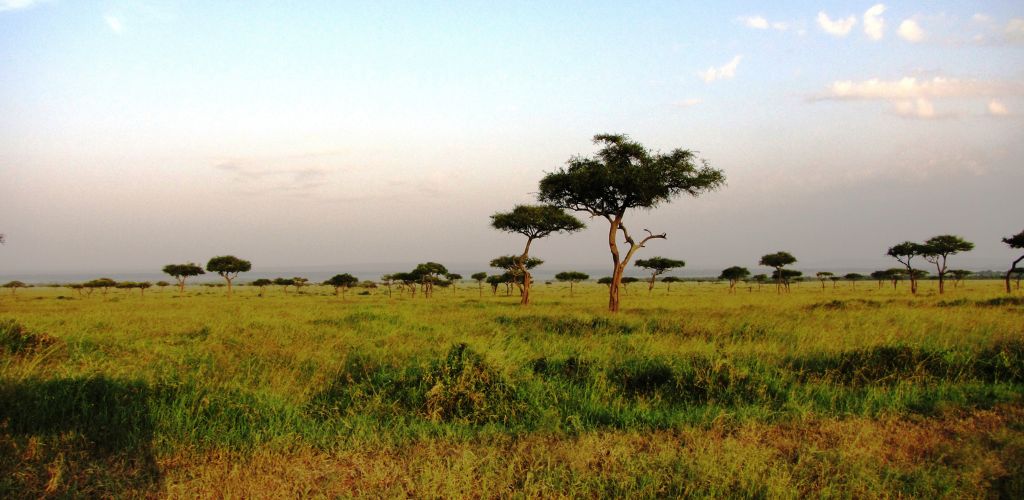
x=137, y=134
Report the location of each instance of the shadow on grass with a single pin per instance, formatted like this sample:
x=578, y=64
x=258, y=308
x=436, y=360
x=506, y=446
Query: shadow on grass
x=76, y=437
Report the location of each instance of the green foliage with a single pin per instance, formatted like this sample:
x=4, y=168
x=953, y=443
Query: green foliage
x=228, y=266
x=734, y=273
x=14, y=284
x=342, y=281
x=16, y=340
x=478, y=277
x=945, y=245
x=624, y=175
x=262, y=282
x=536, y=221
x=606, y=280
x=183, y=271
x=853, y=276
x=1015, y=241
x=659, y=264
x=572, y=276
x=777, y=259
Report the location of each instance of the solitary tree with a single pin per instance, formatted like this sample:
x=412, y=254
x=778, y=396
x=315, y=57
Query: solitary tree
x=624, y=175
x=938, y=248
x=853, y=278
x=822, y=276
x=14, y=285
x=572, y=277
x=228, y=267
x=1016, y=242
x=734, y=274
x=284, y=283
x=656, y=266
x=607, y=280
x=904, y=253
x=298, y=282
x=628, y=280
x=454, y=279
x=534, y=222
x=162, y=284
x=341, y=283
x=181, y=272
x=668, y=280
x=479, y=278
x=262, y=284
x=778, y=260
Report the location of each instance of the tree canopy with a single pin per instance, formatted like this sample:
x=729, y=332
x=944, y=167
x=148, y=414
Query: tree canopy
x=536, y=221
x=228, y=267
x=937, y=250
x=342, y=282
x=1016, y=242
x=181, y=272
x=624, y=175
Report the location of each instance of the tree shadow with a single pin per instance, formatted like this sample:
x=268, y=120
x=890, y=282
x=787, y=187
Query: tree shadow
x=83, y=436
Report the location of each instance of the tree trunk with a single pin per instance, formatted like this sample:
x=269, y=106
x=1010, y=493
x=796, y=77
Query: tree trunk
x=613, y=287
x=1013, y=267
x=181, y=287
x=229, y=285
x=570, y=288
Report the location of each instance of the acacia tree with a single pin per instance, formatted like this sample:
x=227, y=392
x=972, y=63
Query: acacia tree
x=959, y=275
x=101, y=283
x=479, y=278
x=853, y=278
x=822, y=276
x=162, y=284
x=298, y=282
x=512, y=266
x=262, y=284
x=454, y=279
x=14, y=285
x=534, y=222
x=1016, y=242
x=734, y=274
x=656, y=266
x=668, y=280
x=904, y=253
x=284, y=283
x=881, y=276
x=628, y=280
x=495, y=280
x=760, y=279
x=228, y=267
x=428, y=274
x=624, y=175
x=341, y=283
x=386, y=280
x=778, y=260
x=938, y=248
x=181, y=272
x=784, y=276
x=572, y=277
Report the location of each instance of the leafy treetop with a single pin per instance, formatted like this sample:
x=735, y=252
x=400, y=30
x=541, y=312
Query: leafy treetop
x=228, y=266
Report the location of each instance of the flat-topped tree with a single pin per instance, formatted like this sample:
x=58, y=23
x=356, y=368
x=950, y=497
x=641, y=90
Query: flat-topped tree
x=823, y=276
x=228, y=267
x=572, y=277
x=628, y=280
x=938, y=249
x=904, y=253
x=1015, y=242
x=778, y=260
x=606, y=280
x=101, y=283
x=479, y=278
x=298, y=282
x=896, y=274
x=624, y=175
x=454, y=279
x=881, y=276
x=262, y=284
x=387, y=280
x=284, y=283
x=734, y=274
x=760, y=279
x=853, y=278
x=959, y=275
x=785, y=276
x=181, y=272
x=668, y=280
x=534, y=222
x=657, y=266
x=341, y=283
x=14, y=286
x=429, y=273
x=512, y=264
x=495, y=280
x=162, y=284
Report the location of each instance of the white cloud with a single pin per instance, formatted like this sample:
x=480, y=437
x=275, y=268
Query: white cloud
x=1015, y=30
x=997, y=108
x=918, y=108
x=114, y=23
x=17, y=4
x=726, y=72
x=781, y=26
x=910, y=31
x=981, y=18
x=838, y=27
x=756, y=22
x=686, y=103
x=911, y=88
x=874, y=25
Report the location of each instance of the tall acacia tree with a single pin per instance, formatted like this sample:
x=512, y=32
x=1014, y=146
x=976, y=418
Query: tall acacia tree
x=341, y=283
x=228, y=267
x=429, y=273
x=822, y=276
x=778, y=260
x=657, y=266
x=1016, y=242
x=181, y=272
x=853, y=278
x=734, y=274
x=534, y=222
x=938, y=248
x=14, y=285
x=624, y=175
x=904, y=253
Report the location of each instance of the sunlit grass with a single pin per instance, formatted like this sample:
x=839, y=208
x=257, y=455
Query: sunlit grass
x=175, y=389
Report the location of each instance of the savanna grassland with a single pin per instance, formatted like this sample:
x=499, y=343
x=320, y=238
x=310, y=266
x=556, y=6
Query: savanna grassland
x=865, y=392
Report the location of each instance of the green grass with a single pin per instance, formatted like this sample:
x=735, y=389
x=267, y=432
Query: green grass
x=171, y=394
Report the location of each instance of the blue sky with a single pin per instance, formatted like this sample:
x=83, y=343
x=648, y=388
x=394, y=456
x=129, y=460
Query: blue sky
x=133, y=134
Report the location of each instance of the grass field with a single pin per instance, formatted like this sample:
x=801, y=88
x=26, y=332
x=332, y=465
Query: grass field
x=862, y=392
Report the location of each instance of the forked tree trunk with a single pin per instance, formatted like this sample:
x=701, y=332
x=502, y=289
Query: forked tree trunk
x=1013, y=267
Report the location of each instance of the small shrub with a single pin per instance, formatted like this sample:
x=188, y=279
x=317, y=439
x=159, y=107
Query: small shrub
x=15, y=339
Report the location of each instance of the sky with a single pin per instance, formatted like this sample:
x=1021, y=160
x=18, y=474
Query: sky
x=135, y=134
